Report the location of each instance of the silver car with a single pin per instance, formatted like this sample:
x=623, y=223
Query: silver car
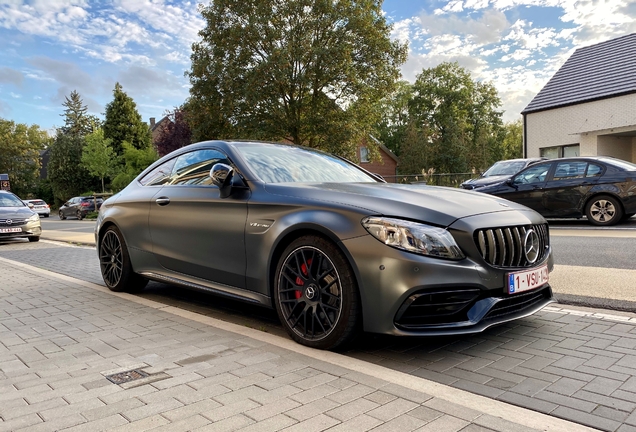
x=17, y=220
x=331, y=247
x=40, y=207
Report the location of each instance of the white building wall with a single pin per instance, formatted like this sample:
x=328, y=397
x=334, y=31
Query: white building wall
x=582, y=124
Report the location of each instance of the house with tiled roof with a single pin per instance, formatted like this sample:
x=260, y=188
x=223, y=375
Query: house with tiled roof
x=588, y=107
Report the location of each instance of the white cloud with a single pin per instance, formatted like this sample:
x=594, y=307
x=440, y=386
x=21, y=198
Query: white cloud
x=484, y=30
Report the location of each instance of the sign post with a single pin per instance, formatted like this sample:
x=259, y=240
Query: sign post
x=4, y=182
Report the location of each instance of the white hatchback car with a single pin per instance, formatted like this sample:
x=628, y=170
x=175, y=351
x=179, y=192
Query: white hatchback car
x=40, y=207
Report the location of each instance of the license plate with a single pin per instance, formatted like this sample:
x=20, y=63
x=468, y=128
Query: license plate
x=527, y=280
x=8, y=230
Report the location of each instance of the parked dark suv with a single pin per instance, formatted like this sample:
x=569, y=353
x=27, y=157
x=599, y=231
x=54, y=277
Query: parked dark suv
x=79, y=207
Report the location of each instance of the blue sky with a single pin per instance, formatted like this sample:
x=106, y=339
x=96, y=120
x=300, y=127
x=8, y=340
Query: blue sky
x=51, y=47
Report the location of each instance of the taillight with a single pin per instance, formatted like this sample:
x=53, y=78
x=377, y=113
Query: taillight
x=85, y=204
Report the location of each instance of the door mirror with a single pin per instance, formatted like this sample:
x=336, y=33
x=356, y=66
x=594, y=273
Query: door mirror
x=31, y=206
x=221, y=175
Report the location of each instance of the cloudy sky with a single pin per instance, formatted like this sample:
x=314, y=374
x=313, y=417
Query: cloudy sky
x=51, y=47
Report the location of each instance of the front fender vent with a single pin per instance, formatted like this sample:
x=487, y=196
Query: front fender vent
x=504, y=247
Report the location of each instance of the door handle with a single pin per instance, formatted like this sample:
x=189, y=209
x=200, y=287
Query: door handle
x=163, y=201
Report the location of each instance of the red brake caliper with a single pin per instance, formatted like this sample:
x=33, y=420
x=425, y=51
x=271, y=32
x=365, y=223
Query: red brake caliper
x=303, y=268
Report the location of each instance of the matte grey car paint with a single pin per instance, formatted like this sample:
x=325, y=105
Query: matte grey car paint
x=188, y=235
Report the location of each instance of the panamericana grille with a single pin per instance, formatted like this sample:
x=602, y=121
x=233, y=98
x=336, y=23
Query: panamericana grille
x=504, y=247
x=14, y=222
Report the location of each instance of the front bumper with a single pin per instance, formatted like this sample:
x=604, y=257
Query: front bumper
x=30, y=229
x=412, y=295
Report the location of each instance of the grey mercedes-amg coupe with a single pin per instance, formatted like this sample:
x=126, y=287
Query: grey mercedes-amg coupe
x=333, y=248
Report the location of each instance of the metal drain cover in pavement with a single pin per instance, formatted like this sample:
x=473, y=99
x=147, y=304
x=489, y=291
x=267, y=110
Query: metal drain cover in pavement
x=128, y=376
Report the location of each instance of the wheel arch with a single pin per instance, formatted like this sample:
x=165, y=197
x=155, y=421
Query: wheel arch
x=291, y=234
x=603, y=193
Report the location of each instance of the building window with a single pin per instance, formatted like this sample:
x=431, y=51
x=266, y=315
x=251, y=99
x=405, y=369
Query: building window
x=364, y=155
x=561, y=151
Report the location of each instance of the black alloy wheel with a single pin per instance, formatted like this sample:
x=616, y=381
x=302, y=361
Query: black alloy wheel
x=114, y=263
x=316, y=294
x=603, y=210
x=61, y=213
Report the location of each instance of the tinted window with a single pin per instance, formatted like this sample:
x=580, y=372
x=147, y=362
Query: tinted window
x=160, y=175
x=534, y=174
x=194, y=168
x=594, y=170
x=570, y=170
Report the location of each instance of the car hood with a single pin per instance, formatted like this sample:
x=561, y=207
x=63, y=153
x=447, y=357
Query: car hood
x=432, y=204
x=15, y=213
x=483, y=181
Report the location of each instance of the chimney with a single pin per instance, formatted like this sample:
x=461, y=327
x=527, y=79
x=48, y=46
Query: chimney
x=152, y=122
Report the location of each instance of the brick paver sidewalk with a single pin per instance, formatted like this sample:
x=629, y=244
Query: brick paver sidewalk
x=60, y=338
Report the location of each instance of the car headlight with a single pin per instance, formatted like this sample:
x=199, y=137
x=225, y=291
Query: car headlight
x=34, y=218
x=413, y=237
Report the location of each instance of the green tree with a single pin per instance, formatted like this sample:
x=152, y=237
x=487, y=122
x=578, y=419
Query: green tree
x=66, y=173
x=20, y=147
x=76, y=120
x=123, y=123
x=394, y=125
x=135, y=161
x=512, y=144
x=98, y=156
x=309, y=71
x=459, y=118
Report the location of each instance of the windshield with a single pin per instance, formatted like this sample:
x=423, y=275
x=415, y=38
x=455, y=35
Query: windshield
x=10, y=200
x=505, y=168
x=283, y=164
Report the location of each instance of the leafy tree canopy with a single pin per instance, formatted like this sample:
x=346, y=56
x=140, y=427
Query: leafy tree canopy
x=76, y=120
x=308, y=71
x=445, y=121
x=123, y=122
x=20, y=147
x=98, y=156
x=135, y=161
x=173, y=133
x=66, y=173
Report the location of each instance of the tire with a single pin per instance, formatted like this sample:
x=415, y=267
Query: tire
x=114, y=263
x=603, y=210
x=316, y=294
x=34, y=239
x=78, y=215
x=62, y=217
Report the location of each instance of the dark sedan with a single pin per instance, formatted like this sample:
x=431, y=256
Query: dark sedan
x=79, y=207
x=601, y=188
x=330, y=246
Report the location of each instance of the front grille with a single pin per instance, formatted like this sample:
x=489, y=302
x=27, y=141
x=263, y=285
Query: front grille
x=504, y=247
x=444, y=306
x=14, y=222
x=518, y=303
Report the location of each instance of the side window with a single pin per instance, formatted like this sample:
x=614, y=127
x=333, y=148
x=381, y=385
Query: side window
x=534, y=174
x=593, y=170
x=160, y=175
x=194, y=168
x=570, y=170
